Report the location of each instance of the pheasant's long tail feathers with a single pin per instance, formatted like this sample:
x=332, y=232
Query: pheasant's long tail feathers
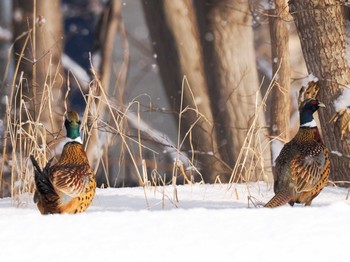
x=43, y=184
x=35, y=164
x=280, y=199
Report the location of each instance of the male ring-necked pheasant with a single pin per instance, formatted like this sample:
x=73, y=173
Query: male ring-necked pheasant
x=69, y=185
x=303, y=165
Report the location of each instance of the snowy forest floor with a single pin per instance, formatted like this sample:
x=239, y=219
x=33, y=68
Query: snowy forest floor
x=207, y=223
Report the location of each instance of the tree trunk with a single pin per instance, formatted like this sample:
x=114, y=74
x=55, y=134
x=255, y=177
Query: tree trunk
x=111, y=19
x=6, y=63
x=227, y=36
x=177, y=47
x=41, y=62
x=280, y=66
x=6, y=72
x=5, y=44
x=321, y=29
x=280, y=105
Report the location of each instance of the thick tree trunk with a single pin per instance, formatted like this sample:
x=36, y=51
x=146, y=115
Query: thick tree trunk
x=280, y=66
x=41, y=62
x=321, y=29
x=280, y=99
x=227, y=37
x=177, y=46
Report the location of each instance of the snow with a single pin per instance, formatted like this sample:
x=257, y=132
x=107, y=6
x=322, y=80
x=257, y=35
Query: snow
x=155, y=68
x=343, y=101
x=76, y=70
x=265, y=67
x=5, y=34
x=209, y=37
x=210, y=224
x=309, y=78
x=337, y=153
x=266, y=5
x=276, y=147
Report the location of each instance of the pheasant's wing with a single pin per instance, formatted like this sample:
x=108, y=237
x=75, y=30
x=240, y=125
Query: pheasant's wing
x=306, y=169
x=44, y=187
x=71, y=179
x=282, y=163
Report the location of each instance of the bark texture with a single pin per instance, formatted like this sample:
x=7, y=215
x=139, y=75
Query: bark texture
x=176, y=42
x=227, y=36
x=41, y=59
x=280, y=108
x=321, y=29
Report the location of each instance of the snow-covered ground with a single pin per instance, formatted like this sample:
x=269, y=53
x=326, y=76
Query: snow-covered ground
x=208, y=223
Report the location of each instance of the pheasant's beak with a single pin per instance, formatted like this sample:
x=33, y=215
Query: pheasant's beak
x=320, y=104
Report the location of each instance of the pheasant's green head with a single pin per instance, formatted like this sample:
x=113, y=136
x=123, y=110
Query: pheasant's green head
x=72, y=124
x=307, y=108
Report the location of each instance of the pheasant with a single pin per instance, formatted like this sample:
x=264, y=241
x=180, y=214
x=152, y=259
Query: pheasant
x=69, y=185
x=303, y=165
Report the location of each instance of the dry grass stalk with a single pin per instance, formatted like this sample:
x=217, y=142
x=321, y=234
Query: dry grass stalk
x=251, y=154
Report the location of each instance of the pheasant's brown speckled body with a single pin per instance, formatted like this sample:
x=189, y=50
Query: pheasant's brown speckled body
x=303, y=166
x=69, y=185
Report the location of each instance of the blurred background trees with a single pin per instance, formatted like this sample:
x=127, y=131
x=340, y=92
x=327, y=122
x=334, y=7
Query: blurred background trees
x=188, y=90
